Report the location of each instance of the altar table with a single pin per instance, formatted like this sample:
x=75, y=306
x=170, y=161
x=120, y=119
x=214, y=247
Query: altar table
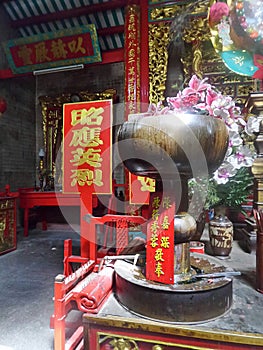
x=30, y=199
x=239, y=328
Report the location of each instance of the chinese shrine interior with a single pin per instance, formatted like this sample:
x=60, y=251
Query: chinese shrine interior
x=106, y=240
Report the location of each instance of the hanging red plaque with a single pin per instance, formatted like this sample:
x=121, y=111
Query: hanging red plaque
x=54, y=49
x=87, y=153
x=140, y=188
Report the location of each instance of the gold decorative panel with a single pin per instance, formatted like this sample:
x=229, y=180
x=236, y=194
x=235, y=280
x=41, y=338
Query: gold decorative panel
x=196, y=55
x=158, y=55
x=165, y=12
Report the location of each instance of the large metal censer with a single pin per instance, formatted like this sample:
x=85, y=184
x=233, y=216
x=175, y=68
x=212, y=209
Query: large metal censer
x=161, y=147
x=197, y=300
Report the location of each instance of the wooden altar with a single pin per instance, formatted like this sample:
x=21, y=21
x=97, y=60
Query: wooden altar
x=104, y=332
x=30, y=199
x=239, y=328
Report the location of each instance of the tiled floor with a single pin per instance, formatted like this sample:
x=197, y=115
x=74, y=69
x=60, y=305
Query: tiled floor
x=26, y=279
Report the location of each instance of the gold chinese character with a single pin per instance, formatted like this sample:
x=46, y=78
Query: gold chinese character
x=155, y=214
x=147, y=183
x=165, y=223
x=131, y=54
x=154, y=240
x=132, y=33
x=24, y=52
x=154, y=227
x=131, y=81
x=41, y=52
x=58, y=49
x=86, y=137
x=159, y=255
x=165, y=243
x=90, y=156
x=132, y=18
x=131, y=71
x=156, y=202
x=159, y=269
x=131, y=96
x=166, y=202
x=90, y=117
x=76, y=46
x=86, y=177
x=131, y=44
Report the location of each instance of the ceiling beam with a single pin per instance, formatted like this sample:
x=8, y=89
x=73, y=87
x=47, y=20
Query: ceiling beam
x=110, y=31
x=76, y=12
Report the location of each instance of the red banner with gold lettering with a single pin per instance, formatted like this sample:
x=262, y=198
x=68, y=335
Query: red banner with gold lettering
x=59, y=48
x=160, y=239
x=87, y=147
x=132, y=59
x=140, y=188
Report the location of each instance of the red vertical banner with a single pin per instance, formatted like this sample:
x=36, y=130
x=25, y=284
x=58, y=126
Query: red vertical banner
x=160, y=239
x=132, y=60
x=132, y=72
x=87, y=147
x=140, y=188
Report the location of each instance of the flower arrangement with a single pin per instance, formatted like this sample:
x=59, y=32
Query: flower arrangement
x=202, y=96
x=232, y=181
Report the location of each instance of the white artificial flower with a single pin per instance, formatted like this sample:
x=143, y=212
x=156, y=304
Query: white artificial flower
x=224, y=172
x=243, y=157
x=234, y=138
x=252, y=125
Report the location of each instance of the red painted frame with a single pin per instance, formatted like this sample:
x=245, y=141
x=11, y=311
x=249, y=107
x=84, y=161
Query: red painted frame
x=30, y=199
x=8, y=204
x=147, y=333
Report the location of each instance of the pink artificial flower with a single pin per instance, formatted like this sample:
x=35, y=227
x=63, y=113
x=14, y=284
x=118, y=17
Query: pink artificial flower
x=190, y=100
x=175, y=102
x=211, y=96
x=196, y=86
x=217, y=11
x=203, y=96
x=156, y=109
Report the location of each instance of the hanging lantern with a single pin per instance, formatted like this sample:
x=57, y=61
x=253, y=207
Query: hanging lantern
x=2, y=105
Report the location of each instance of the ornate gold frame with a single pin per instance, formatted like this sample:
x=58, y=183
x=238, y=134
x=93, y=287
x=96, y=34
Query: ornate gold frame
x=199, y=56
x=52, y=124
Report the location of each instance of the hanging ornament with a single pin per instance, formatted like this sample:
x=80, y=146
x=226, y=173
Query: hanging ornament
x=3, y=105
